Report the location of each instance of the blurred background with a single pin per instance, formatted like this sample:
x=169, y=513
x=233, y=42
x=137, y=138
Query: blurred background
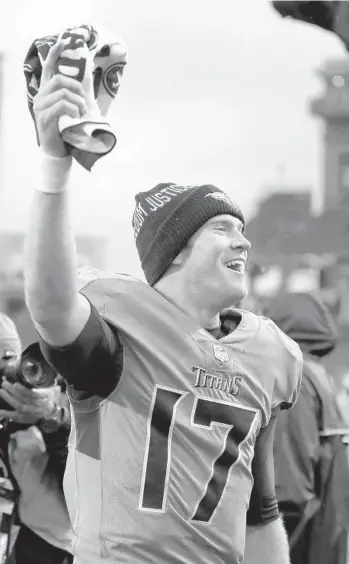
x=227, y=93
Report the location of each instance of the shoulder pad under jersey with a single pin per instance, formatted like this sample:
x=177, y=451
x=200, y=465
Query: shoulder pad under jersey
x=87, y=274
x=289, y=344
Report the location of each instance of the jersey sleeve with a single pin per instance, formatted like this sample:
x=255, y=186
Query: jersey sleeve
x=295, y=371
x=290, y=366
x=263, y=506
x=92, y=364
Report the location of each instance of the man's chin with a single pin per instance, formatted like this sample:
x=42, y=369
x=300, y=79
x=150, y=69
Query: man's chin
x=240, y=298
x=235, y=296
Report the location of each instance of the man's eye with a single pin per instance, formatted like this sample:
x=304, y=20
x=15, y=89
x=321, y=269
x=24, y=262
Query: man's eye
x=221, y=228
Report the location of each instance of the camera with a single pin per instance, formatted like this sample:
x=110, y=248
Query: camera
x=29, y=369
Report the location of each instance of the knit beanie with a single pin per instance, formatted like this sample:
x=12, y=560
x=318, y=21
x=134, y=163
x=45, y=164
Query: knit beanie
x=167, y=216
x=9, y=338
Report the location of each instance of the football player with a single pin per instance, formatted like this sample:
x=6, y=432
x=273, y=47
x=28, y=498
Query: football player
x=173, y=413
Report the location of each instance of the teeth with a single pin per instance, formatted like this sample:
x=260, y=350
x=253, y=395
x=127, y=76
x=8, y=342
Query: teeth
x=237, y=262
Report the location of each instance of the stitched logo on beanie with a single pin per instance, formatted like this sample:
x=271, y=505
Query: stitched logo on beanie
x=223, y=197
x=154, y=202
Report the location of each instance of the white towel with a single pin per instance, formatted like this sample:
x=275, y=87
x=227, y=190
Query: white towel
x=98, y=64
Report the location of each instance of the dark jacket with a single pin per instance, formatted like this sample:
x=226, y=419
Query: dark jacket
x=305, y=319
x=311, y=464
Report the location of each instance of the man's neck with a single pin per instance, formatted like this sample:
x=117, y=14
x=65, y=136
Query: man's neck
x=214, y=323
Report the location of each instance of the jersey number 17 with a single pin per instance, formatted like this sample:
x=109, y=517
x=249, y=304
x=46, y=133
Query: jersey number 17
x=205, y=414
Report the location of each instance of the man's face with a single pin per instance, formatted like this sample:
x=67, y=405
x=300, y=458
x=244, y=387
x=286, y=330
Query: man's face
x=8, y=348
x=214, y=260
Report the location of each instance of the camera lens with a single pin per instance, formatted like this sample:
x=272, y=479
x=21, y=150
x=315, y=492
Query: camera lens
x=34, y=374
x=33, y=371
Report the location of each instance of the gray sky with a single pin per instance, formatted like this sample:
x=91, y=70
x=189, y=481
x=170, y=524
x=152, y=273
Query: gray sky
x=214, y=92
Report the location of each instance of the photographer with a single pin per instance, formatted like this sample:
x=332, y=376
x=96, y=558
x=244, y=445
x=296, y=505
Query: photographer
x=36, y=425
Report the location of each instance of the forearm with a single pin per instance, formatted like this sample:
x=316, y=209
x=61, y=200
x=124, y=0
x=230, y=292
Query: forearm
x=51, y=259
x=50, y=263
x=267, y=544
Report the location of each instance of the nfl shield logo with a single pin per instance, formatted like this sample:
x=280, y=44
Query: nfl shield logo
x=221, y=353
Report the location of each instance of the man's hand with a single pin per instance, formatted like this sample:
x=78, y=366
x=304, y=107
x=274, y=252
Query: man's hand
x=26, y=445
x=267, y=544
x=29, y=406
x=58, y=95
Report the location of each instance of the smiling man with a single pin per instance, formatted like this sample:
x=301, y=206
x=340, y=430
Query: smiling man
x=173, y=411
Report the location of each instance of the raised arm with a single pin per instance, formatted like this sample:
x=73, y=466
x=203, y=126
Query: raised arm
x=58, y=311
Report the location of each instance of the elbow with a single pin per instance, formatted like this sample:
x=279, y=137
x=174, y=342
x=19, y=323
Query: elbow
x=46, y=309
x=36, y=304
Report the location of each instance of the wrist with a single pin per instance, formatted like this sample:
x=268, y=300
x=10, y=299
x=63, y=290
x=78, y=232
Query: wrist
x=54, y=173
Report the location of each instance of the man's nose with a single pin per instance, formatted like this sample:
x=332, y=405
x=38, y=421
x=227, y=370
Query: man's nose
x=241, y=243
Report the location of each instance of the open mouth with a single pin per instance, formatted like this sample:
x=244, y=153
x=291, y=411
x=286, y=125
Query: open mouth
x=237, y=265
